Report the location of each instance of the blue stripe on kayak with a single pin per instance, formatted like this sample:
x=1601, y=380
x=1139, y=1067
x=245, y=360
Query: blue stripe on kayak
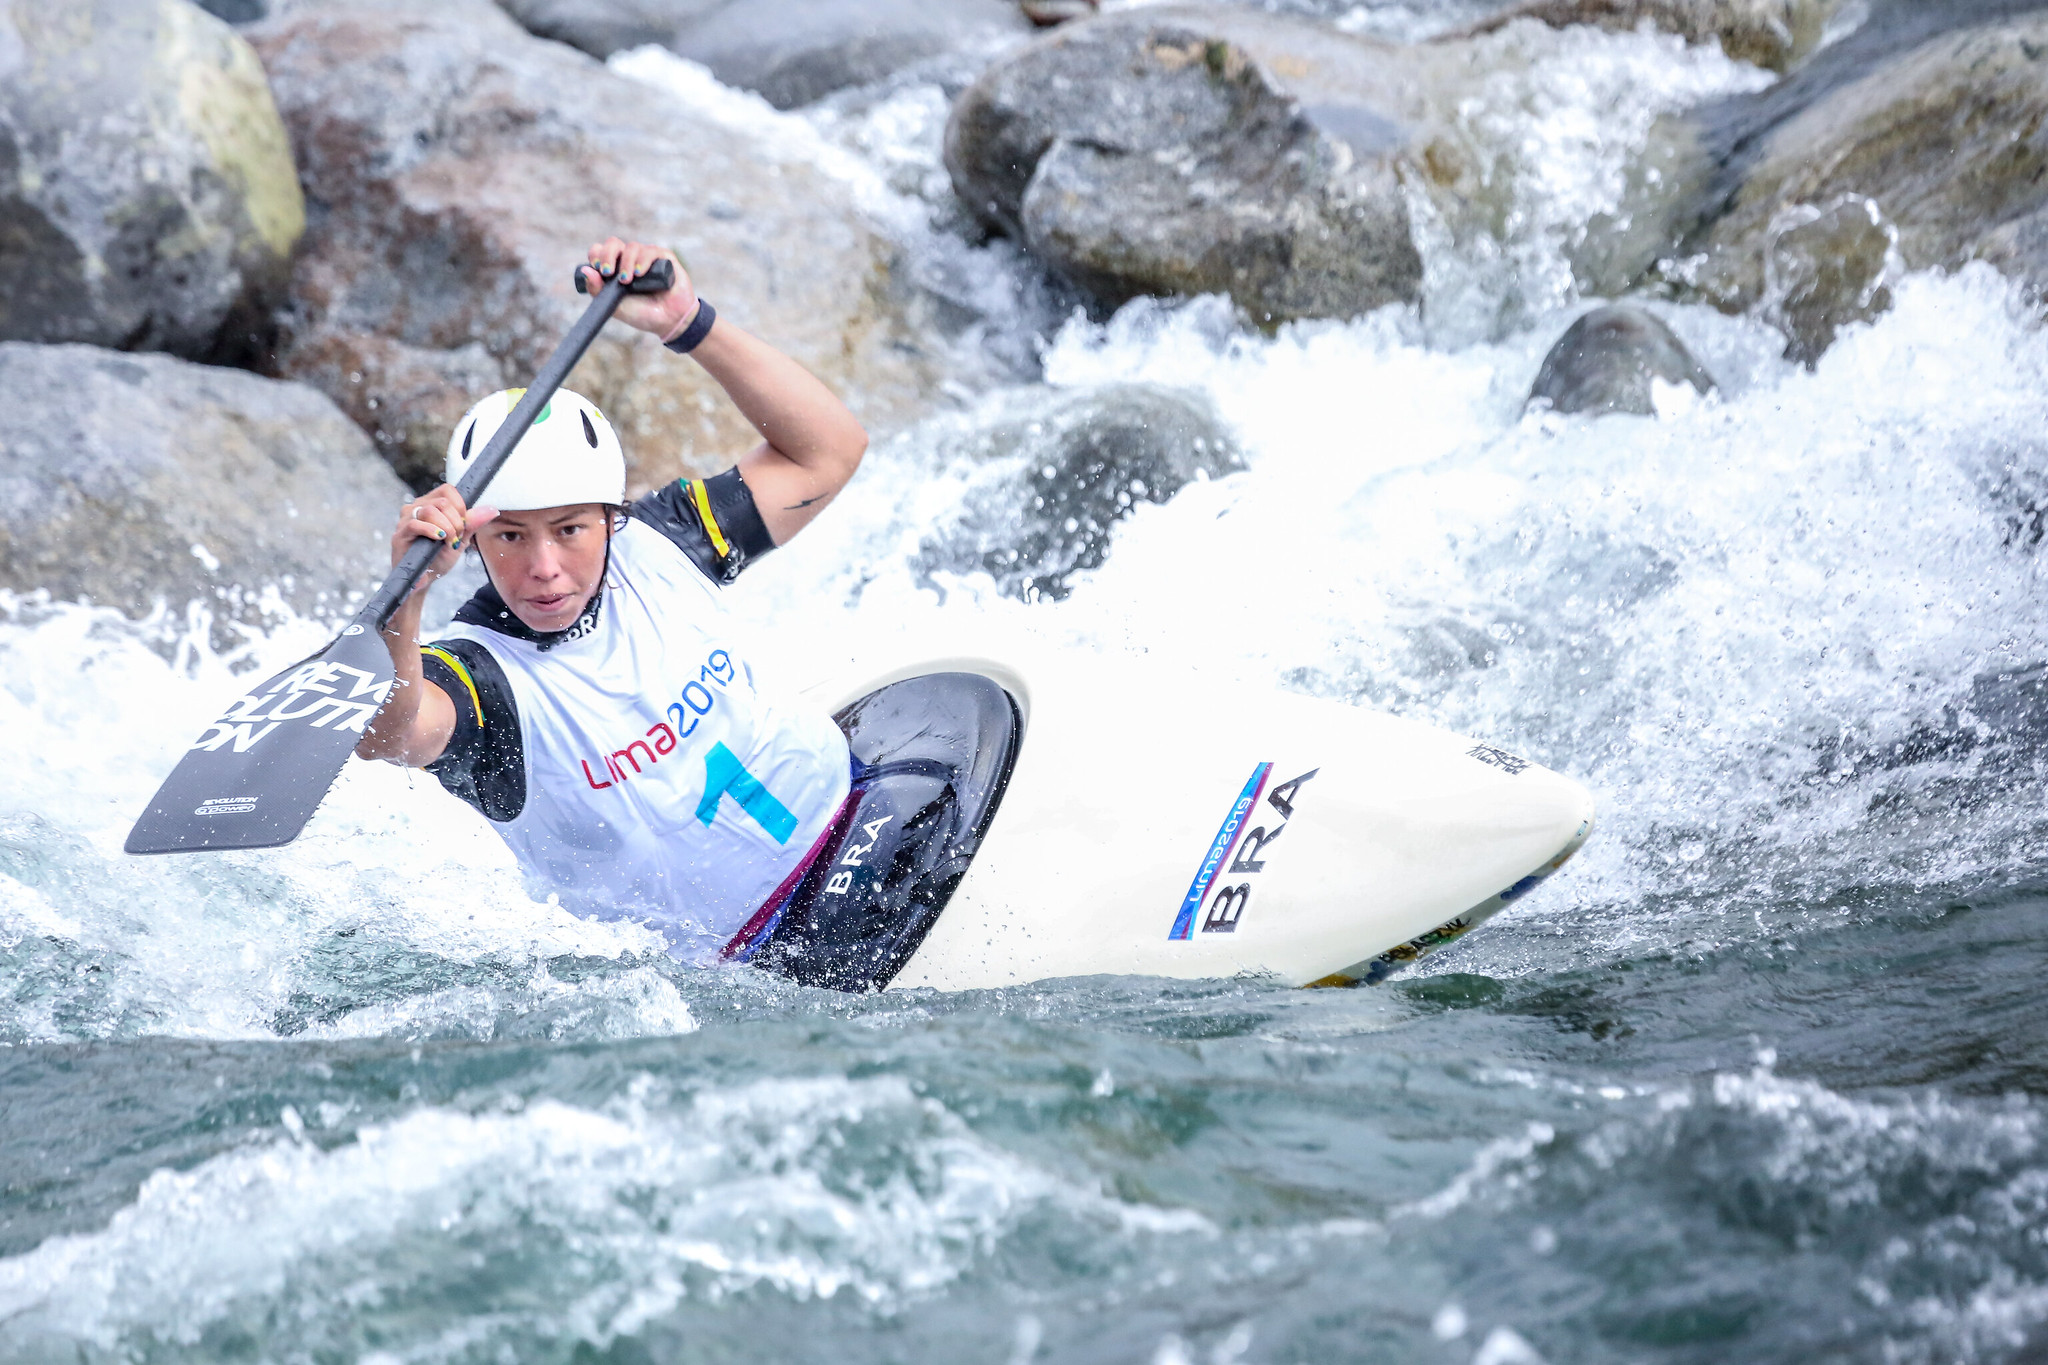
x=1219, y=851
x=1522, y=887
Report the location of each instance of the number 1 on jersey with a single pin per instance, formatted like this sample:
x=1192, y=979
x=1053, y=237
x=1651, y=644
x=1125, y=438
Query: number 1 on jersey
x=723, y=773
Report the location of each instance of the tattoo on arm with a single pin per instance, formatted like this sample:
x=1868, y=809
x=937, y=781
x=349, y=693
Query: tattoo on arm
x=799, y=506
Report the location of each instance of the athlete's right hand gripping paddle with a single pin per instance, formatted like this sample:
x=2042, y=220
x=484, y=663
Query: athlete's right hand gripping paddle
x=258, y=773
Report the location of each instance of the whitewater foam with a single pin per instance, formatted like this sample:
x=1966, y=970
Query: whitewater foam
x=1740, y=620
x=812, y=1187
x=219, y=945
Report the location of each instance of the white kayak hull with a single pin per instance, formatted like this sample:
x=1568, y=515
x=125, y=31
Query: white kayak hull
x=1156, y=826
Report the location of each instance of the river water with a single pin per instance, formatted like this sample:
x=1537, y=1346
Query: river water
x=1757, y=1078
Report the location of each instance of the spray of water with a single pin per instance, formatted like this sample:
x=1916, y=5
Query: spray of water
x=1699, y=613
x=1756, y=623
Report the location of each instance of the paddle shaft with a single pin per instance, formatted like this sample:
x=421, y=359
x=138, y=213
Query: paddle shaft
x=258, y=773
x=398, y=584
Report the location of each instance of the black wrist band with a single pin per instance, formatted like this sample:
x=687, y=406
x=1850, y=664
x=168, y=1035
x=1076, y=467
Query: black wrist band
x=699, y=328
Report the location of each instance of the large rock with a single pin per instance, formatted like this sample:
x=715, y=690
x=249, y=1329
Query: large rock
x=147, y=194
x=1048, y=13
x=1867, y=34
x=133, y=479
x=602, y=27
x=790, y=51
x=1932, y=160
x=1770, y=33
x=1185, y=150
x=458, y=168
x=1068, y=473
x=1611, y=360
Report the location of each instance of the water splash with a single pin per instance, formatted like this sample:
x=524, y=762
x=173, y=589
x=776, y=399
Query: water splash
x=102, y=945
x=1757, y=624
x=572, y=1223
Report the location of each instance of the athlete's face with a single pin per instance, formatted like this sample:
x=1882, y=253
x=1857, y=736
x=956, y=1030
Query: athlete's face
x=546, y=564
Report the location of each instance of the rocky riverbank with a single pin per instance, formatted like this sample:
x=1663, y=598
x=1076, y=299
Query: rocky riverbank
x=377, y=202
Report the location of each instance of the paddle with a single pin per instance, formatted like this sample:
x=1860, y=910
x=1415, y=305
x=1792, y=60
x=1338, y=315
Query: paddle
x=261, y=770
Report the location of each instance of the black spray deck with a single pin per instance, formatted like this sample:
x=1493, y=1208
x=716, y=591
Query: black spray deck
x=935, y=753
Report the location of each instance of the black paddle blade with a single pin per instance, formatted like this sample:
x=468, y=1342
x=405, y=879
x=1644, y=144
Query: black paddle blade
x=260, y=771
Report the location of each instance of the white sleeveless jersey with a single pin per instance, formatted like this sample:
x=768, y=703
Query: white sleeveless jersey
x=662, y=784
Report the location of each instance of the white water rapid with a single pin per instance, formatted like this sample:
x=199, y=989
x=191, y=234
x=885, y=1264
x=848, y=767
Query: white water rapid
x=1755, y=624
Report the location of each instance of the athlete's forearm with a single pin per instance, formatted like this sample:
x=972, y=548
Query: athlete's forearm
x=811, y=444
x=417, y=719
x=786, y=403
x=389, y=735
x=814, y=444
x=402, y=731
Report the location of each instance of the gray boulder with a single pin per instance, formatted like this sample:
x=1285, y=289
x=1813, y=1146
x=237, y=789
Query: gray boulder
x=1185, y=150
x=131, y=479
x=1048, y=13
x=1934, y=159
x=789, y=51
x=458, y=168
x=602, y=27
x=1769, y=33
x=1064, y=476
x=147, y=194
x=1609, y=361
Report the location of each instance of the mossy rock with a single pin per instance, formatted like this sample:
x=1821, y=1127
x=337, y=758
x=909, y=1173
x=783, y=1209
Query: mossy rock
x=148, y=198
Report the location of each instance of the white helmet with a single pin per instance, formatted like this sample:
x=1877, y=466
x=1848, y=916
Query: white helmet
x=570, y=454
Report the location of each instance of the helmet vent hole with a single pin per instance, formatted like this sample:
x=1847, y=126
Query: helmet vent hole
x=468, y=435
x=589, y=431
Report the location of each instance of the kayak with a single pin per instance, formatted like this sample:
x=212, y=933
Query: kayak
x=1012, y=824
x=1109, y=818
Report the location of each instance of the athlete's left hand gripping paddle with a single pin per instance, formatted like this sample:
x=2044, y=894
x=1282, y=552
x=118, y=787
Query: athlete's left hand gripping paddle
x=260, y=771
